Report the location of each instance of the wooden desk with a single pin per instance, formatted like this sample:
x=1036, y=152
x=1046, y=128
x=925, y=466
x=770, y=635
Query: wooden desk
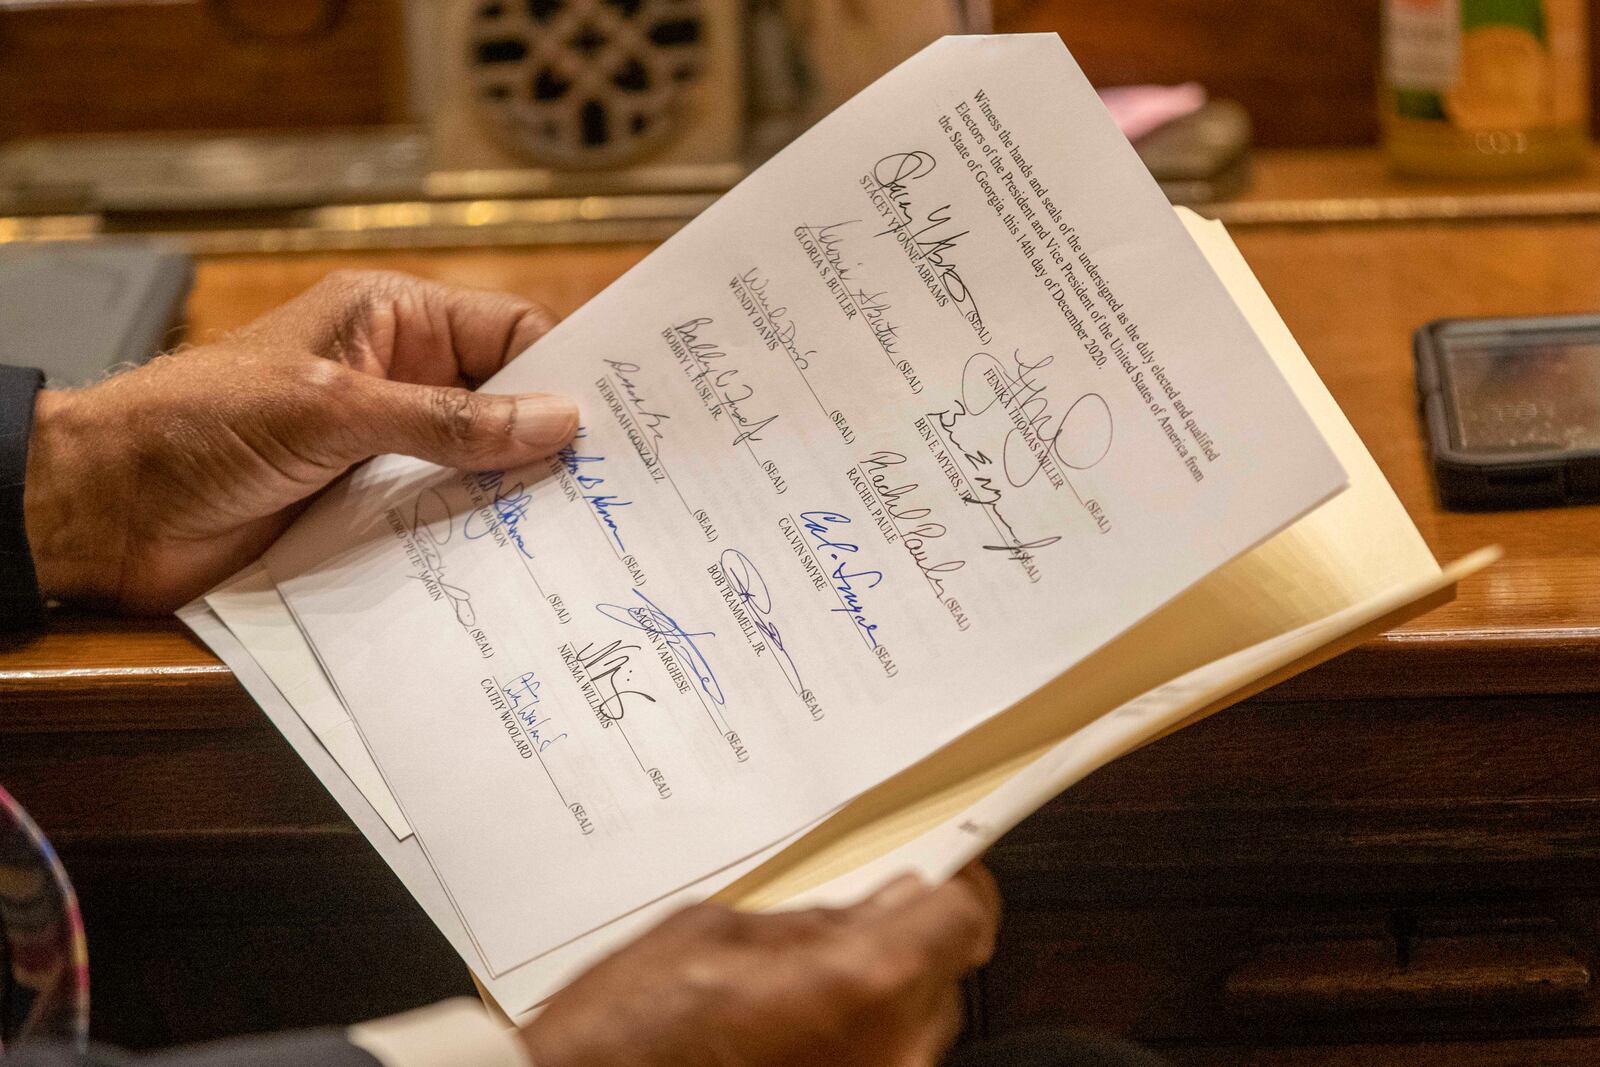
x=1243, y=892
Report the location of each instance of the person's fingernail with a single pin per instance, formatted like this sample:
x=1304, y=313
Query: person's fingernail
x=544, y=421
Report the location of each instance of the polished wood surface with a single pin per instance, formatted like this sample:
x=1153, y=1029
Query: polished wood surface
x=1394, y=859
x=1313, y=175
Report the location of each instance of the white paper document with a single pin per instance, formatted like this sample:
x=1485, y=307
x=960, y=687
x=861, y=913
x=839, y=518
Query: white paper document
x=249, y=605
x=1348, y=564
x=932, y=406
x=516, y=991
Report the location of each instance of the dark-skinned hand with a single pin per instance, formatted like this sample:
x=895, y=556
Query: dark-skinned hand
x=146, y=489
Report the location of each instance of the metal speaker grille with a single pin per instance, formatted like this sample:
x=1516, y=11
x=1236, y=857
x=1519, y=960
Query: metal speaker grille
x=585, y=83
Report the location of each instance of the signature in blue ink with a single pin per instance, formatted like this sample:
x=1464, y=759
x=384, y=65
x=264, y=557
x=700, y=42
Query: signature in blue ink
x=584, y=471
x=523, y=694
x=844, y=585
x=602, y=505
x=657, y=623
x=818, y=523
x=847, y=584
x=752, y=591
x=510, y=507
x=536, y=729
x=524, y=690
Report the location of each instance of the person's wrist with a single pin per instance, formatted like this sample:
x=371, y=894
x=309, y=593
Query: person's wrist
x=546, y=1046
x=68, y=500
x=541, y=1051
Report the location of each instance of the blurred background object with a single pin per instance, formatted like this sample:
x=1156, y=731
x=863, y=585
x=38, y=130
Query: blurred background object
x=93, y=67
x=76, y=310
x=1302, y=68
x=1486, y=88
x=580, y=96
x=204, y=104
x=284, y=124
x=248, y=104
x=811, y=56
x=1140, y=110
x=1202, y=156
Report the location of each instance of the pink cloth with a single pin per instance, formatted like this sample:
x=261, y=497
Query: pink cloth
x=1141, y=109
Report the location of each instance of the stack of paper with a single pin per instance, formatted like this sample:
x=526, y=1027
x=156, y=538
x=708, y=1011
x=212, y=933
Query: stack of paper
x=936, y=465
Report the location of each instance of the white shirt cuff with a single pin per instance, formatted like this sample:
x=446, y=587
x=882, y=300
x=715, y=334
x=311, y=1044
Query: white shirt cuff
x=453, y=1033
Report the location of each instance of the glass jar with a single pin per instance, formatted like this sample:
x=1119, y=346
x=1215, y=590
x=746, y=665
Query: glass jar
x=1485, y=88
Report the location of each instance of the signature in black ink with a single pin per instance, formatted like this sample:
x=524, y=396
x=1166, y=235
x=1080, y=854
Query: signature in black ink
x=604, y=667
x=894, y=173
x=731, y=392
x=775, y=325
x=937, y=245
x=1078, y=438
x=875, y=310
x=751, y=589
x=984, y=494
x=428, y=513
x=649, y=421
x=915, y=524
x=657, y=623
x=831, y=242
x=930, y=239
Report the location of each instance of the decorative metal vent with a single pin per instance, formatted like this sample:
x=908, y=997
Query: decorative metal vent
x=585, y=83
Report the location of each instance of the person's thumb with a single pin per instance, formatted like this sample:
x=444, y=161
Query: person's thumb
x=458, y=428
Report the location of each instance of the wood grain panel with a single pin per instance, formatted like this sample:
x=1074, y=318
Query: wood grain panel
x=200, y=65
x=1307, y=801
x=1177, y=974
x=1545, y=1052
x=1305, y=69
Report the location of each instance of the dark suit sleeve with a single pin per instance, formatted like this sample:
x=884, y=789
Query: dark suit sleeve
x=310, y=1048
x=20, y=605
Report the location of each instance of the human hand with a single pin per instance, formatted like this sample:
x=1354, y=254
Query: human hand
x=146, y=489
x=874, y=985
